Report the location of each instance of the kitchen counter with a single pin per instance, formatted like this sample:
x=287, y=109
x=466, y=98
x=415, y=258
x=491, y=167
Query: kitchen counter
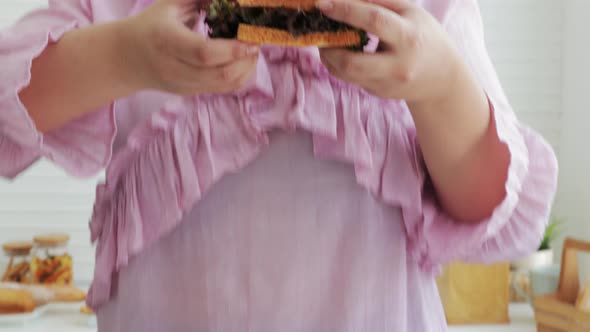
x=522, y=319
x=69, y=320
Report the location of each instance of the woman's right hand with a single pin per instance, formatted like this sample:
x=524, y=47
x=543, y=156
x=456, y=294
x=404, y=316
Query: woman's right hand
x=165, y=54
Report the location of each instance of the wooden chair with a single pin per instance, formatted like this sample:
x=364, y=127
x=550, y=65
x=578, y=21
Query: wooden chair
x=557, y=312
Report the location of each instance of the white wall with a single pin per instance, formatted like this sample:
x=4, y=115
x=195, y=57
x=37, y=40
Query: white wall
x=574, y=194
x=525, y=38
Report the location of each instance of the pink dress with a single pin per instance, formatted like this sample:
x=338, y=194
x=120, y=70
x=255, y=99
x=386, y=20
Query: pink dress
x=296, y=204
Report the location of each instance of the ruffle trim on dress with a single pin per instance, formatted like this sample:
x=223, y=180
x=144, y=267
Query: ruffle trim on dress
x=180, y=152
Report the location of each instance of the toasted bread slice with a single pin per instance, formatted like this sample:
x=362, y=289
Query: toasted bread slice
x=293, y=4
x=262, y=35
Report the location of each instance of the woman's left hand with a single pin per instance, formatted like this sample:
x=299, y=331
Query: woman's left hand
x=415, y=61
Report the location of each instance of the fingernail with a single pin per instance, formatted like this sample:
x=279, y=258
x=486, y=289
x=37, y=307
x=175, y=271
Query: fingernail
x=325, y=5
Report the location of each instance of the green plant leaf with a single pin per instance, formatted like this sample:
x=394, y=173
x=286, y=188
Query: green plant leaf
x=552, y=232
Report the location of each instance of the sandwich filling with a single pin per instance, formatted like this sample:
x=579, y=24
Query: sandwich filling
x=224, y=17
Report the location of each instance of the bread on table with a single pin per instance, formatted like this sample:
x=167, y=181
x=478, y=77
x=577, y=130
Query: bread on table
x=16, y=301
x=43, y=294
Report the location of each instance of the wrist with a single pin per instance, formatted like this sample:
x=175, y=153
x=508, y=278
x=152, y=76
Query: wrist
x=451, y=87
x=463, y=105
x=123, y=50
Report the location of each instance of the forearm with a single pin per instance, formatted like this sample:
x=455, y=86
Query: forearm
x=467, y=162
x=82, y=72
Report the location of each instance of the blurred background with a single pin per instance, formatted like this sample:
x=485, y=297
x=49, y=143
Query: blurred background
x=541, y=49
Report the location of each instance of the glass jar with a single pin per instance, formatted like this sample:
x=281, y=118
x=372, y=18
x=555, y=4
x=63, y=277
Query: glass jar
x=18, y=256
x=51, y=262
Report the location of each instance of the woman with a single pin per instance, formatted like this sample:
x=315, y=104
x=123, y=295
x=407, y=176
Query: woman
x=276, y=189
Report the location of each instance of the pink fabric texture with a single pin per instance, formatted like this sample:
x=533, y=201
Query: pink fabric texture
x=81, y=147
x=289, y=243
x=171, y=151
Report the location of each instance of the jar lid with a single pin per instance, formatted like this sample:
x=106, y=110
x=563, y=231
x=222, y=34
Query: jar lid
x=51, y=240
x=17, y=248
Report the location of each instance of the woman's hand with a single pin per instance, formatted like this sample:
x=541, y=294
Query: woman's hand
x=166, y=54
x=415, y=60
x=418, y=62
x=101, y=62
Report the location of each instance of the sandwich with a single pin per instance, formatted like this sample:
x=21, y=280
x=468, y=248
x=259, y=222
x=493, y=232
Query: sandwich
x=288, y=23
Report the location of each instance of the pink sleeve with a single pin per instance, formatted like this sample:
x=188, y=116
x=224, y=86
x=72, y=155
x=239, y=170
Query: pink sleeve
x=518, y=223
x=82, y=147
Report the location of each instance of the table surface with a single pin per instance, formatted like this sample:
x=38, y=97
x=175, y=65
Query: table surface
x=68, y=319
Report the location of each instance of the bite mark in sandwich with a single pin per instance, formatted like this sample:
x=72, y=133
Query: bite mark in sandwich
x=293, y=23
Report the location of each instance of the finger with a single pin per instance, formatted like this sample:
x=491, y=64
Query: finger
x=188, y=80
x=226, y=77
x=180, y=2
x=196, y=50
x=356, y=67
x=398, y=6
x=385, y=24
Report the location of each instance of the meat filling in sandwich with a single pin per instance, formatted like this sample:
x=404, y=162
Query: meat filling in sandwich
x=294, y=23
